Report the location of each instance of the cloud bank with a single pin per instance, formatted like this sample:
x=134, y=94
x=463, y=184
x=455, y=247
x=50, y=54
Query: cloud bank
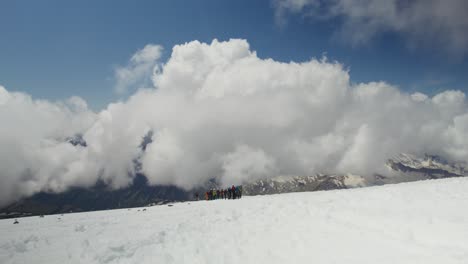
x=440, y=23
x=218, y=111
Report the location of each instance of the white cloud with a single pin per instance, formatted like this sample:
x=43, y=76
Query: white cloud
x=246, y=164
x=424, y=22
x=219, y=111
x=139, y=68
x=419, y=97
x=33, y=152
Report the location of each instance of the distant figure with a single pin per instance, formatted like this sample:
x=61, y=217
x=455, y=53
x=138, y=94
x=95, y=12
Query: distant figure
x=233, y=192
x=16, y=222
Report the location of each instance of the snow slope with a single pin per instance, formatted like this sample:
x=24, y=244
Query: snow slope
x=419, y=222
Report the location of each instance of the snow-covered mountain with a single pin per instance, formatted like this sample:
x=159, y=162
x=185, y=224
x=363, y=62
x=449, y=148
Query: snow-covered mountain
x=285, y=184
x=418, y=222
x=429, y=166
x=406, y=168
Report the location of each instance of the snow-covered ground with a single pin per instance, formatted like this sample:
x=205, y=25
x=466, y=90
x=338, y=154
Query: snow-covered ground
x=419, y=222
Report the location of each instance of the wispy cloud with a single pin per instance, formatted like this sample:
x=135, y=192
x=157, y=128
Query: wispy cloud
x=139, y=69
x=441, y=24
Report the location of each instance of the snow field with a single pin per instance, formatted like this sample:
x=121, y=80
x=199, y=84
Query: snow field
x=419, y=222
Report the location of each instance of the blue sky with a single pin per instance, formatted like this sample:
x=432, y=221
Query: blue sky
x=57, y=49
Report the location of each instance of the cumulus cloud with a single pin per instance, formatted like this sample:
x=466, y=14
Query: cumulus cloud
x=33, y=153
x=441, y=22
x=218, y=111
x=140, y=67
x=246, y=164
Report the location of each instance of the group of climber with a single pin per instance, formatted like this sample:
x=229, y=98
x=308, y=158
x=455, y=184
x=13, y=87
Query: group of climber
x=234, y=192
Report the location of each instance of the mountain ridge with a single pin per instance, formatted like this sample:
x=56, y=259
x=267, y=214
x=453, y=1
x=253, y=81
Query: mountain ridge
x=408, y=167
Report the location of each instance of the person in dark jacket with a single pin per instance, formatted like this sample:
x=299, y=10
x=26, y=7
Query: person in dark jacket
x=233, y=190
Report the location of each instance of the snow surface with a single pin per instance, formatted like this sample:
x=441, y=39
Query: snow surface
x=419, y=222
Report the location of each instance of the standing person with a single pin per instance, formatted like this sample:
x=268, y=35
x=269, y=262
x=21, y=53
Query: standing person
x=214, y=194
x=233, y=190
x=196, y=196
x=240, y=191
